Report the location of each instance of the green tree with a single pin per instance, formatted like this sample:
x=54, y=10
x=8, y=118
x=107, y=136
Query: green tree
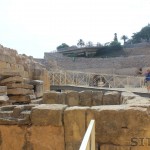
x=89, y=44
x=115, y=37
x=144, y=34
x=124, y=38
x=80, y=43
x=62, y=47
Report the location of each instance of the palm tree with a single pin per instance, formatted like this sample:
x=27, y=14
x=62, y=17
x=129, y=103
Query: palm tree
x=124, y=38
x=81, y=43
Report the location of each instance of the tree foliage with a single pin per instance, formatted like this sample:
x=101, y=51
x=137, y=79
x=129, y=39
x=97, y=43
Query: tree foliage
x=124, y=38
x=143, y=34
x=80, y=43
x=62, y=46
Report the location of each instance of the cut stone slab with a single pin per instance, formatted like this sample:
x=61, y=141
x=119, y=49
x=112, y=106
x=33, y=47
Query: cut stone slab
x=7, y=58
x=72, y=98
x=97, y=98
x=75, y=126
x=48, y=114
x=11, y=80
x=111, y=98
x=51, y=97
x=4, y=98
x=3, y=89
x=20, y=98
x=85, y=98
x=5, y=73
x=19, y=91
x=19, y=85
x=36, y=82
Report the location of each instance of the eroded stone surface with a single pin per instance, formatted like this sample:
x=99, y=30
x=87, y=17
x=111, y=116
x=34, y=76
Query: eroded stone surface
x=48, y=114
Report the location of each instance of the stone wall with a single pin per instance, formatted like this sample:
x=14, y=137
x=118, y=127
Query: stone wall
x=123, y=65
x=57, y=126
x=12, y=63
x=93, y=98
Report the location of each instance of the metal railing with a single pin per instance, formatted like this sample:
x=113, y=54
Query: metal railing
x=95, y=80
x=88, y=142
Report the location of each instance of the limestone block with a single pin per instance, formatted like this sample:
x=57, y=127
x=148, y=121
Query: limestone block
x=12, y=137
x=72, y=98
x=51, y=97
x=3, y=90
x=9, y=73
x=75, y=126
x=19, y=91
x=20, y=98
x=14, y=79
x=111, y=98
x=38, y=90
x=47, y=138
x=85, y=98
x=4, y=98
x=62, y=98
x=48, y=114
x=114, y=147
x=117, y=124
x=97, y=98
x=19, y=85
x=7, y=58
x=4, y=65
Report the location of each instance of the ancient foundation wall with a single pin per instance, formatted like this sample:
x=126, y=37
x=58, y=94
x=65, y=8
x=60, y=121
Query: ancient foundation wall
x=62, y=127
x=56, y=126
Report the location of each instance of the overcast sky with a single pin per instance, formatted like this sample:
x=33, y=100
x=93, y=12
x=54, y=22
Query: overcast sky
x=33, y=27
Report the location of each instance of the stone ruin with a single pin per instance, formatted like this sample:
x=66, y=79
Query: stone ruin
x=22, y=80
x=34, y=118
x=122, y=119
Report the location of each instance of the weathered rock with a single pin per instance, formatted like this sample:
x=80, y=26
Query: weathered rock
x=111, y=98
x=7, y=140
x=15, y=79
x=75, y=126
x=48, y=115
x=36, y=82
x=20, y=98
x=118, y=124
x=97, y=98
x=7, y=58
x=19, y=85
x=51, y=97
x=85, y=98
x=47, y=138
x=114, y=147
x=4, y=98
x=9, y=73
x=72, y=98
x=3, y=90
x=38, y=90
x=62, y=98
x=19, y=91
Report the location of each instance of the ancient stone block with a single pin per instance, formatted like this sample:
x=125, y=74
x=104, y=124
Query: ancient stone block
x=111, y=98
x=14, y=79
x=97, y=98
x=4, y=65
x=62, y=98
x=9, y=73
x=7, y=58
x=75, y=125
x=3, y=90
x=85, y=98
x=19, y=85
x=118, y=124
x=47, y=138
x=114, y=147
x=19, y=91
x=12, y=137
x=48, y=114
x=4, y=98
x=20, y=98
x=51, y=97
x=72, y=98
